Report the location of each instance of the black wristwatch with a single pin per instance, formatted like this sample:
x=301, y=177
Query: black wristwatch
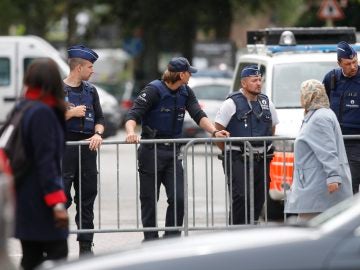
x=99, y=133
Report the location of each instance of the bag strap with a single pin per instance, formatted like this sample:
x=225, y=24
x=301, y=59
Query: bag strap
x=333, y=81
x=16, y=115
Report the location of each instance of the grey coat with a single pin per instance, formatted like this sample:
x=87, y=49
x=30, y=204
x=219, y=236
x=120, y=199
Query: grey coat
x=320, y=159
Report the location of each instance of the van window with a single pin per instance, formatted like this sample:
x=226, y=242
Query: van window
x=28, y=60
x=4, y=71
x=288, y=77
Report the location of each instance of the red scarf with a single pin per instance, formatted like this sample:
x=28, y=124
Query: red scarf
x=37, y=94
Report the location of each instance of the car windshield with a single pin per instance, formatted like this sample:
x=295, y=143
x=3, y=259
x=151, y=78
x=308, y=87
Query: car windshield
x=212, y=92
x=288, y=77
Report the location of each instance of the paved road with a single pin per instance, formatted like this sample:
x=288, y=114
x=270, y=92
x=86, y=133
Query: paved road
x=118, y=199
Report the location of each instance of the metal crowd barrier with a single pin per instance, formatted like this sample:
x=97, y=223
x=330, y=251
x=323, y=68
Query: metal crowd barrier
x=225, y=223
x=207, y=199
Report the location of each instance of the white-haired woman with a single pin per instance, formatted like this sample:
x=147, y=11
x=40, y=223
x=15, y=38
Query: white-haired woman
x=321, y=171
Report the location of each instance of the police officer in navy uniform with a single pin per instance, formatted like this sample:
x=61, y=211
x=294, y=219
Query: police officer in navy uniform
x=343, y=88
x=160, y=108
x=85, y=121
x=246, y=113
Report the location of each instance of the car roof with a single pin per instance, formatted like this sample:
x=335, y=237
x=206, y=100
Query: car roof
x=199, y=81
x=238, y=244
x=193, y=246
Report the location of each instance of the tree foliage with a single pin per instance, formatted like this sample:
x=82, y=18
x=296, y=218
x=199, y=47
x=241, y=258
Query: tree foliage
x=35, y=15
x=168, y=26
x=8, y=14
x=160, y=26
x=310, y=15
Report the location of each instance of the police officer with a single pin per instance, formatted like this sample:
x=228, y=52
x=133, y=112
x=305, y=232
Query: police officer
x=246, y=113
x=343, y=88
x=85, y=121
x=160, y=108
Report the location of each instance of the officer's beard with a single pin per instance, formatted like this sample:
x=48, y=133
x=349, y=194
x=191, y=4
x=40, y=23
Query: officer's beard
x=254, y=93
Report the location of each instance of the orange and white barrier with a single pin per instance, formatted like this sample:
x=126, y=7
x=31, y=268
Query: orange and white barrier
x=281, y=173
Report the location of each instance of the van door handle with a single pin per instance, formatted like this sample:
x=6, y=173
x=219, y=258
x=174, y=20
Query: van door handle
x=9, y=99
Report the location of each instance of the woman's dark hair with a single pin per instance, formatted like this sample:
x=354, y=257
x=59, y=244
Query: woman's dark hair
x=44, y=74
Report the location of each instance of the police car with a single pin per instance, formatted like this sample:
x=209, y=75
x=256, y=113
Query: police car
x=287, y=57
x=284, y=67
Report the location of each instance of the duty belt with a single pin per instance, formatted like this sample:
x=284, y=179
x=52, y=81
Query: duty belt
x=258, y=153
x=256, y=149
x=167, y=145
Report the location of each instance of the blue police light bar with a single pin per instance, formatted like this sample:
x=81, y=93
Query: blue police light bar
x=306, y=48
x=303, y=35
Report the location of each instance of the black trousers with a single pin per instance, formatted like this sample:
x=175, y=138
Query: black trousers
x=36, y=252
x=239, y=192
x=353, y=155
x=88, y=186
x=149, y=194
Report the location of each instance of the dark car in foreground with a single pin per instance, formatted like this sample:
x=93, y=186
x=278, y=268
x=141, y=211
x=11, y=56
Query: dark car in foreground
x=329, y=241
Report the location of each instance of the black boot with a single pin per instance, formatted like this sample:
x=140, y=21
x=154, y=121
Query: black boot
x=85, y=248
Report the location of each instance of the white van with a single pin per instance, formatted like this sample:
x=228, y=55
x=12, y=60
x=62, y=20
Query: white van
x=282, y=76
x=284, y=67
x=287, y=57
x=17, y=52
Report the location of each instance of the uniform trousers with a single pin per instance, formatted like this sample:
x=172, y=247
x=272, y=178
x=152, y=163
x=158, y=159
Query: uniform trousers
x=149, y=189
x=353, y=155
x=88, y=186
x=239, y=192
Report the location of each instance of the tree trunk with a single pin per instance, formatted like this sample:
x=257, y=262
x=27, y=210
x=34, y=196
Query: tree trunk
x=71, y=27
